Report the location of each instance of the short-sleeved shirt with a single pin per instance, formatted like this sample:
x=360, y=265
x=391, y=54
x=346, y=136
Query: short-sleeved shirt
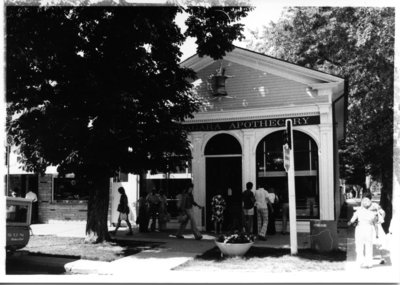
x=248, y=199
x=261, y=196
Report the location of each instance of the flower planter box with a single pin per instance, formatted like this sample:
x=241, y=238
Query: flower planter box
x=233, y=249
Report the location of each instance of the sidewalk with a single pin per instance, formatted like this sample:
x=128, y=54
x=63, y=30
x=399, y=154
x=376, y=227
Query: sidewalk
x=174, y=251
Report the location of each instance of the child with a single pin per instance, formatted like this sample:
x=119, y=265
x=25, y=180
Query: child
x=218, y=205
x=364, y=232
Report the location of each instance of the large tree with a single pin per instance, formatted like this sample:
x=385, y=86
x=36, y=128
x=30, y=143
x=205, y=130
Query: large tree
x=96, y=90
x=356, y=43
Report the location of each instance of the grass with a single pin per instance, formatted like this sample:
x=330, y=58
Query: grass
x=74, y=247
x=273, y=260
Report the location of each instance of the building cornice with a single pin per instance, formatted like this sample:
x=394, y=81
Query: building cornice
x=253, y=114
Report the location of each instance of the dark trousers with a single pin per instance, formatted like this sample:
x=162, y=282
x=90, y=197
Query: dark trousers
x=271, y=220
x=154, y=209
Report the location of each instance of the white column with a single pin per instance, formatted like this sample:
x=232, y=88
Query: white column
x=198, y=174
x=248, y=157
x=326, y=165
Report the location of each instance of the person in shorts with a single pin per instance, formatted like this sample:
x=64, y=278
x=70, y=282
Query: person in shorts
x=248, y=207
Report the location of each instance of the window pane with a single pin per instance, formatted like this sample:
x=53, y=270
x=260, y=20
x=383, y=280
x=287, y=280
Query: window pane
x=17, y=214
x=271, y=173
x=70, y=189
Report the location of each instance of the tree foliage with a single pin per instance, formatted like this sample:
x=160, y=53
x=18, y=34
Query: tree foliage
x=356, y=43
x=97, y=90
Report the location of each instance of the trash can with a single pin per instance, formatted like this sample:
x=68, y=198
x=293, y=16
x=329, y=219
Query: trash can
x=323, y=235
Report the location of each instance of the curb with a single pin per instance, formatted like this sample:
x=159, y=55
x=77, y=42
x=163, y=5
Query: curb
x=83, y=266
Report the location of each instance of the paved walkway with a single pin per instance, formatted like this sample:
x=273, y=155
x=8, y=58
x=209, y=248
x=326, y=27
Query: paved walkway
x=174, y=252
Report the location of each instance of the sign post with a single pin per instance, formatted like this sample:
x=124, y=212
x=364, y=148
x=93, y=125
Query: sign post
x=288, y=158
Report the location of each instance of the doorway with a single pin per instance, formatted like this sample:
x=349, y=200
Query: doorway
x=224, y=176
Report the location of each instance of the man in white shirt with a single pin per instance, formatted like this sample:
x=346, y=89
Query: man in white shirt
x=262, y=201
x=33, y=197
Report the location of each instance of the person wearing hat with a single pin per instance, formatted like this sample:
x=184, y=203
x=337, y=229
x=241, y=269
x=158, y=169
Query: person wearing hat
x=364, y=232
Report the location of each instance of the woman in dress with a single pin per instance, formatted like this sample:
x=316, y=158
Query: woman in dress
x=123, y=209
x=218, y=206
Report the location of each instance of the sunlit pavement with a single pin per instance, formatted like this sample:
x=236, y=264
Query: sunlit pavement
x=175, y=251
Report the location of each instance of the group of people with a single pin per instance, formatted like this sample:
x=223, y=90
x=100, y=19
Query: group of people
x=368, y=219
x=152, y=207
x=261, y=202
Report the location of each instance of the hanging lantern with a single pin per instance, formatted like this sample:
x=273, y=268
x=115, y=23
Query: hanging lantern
x=218, y=82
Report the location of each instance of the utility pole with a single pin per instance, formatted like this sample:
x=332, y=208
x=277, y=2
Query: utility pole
x=288, y=158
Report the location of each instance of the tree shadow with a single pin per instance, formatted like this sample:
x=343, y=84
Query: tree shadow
x=260, y=252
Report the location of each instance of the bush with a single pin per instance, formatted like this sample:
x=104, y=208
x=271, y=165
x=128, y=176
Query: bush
x=236, y=237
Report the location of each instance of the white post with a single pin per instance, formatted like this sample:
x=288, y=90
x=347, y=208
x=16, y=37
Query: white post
x=292, y=192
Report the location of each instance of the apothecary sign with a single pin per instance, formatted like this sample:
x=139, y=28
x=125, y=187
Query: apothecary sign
x=252, y=124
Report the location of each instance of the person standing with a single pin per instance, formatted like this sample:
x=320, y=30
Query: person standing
x=248, y=200
x=364, y=232
x=33, y=197
x=285, y=210
x=380, y=236
x=262, y=202
x=123, y=209
x=272, y=209
x=143, y=214
x=187, y=209
x=163, y=216
x=218, y=206
x=153, y=200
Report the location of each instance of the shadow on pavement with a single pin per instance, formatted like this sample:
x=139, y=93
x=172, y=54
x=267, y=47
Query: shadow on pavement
x=260, y=252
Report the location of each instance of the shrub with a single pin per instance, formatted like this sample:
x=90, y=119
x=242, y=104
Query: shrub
x=236, y=237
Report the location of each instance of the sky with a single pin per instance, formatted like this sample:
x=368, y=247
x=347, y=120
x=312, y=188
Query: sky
x=270, y=10
x=263, y=14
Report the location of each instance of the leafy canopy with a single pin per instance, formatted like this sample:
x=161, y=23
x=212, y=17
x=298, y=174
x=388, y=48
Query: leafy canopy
x=356, y=43
x=94, y=88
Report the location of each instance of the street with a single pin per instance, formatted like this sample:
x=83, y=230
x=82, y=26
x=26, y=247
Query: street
x=22, y=262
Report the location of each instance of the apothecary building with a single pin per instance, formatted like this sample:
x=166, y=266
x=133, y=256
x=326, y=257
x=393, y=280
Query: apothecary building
x=237, y=136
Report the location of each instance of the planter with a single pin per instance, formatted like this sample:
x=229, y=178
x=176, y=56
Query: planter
x=234, y=249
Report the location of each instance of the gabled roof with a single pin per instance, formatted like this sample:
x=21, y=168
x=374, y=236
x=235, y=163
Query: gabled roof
x=325, y=83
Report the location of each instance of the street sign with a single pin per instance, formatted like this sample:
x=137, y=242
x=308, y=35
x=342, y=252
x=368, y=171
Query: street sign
x=286, y=157
x=287, y=138
x=9, y=140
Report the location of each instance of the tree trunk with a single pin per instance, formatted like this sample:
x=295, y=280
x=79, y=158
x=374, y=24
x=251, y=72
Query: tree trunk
x=142, y=183
x=386, y=196
x=98, y=205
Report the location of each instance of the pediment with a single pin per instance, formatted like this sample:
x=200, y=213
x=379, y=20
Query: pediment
x=257, y=81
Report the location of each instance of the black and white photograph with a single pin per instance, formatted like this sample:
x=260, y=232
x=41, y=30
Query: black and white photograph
x=198, y=141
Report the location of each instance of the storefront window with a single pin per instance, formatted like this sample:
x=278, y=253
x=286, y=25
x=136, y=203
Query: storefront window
x=271, y=173
x=70, y=189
